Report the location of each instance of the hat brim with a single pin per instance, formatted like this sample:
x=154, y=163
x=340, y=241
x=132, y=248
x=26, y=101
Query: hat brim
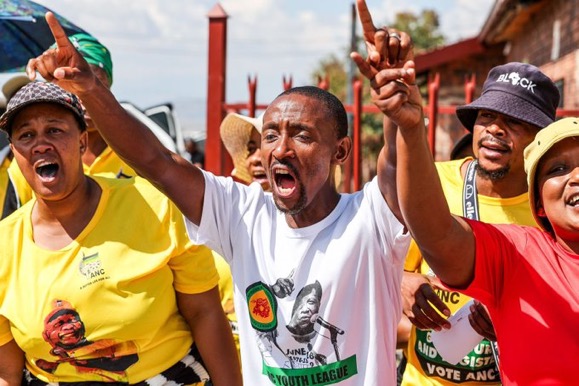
x=503, y=103
x=235, y=131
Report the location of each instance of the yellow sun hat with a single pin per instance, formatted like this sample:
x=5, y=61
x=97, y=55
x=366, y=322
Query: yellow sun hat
x=543, y=142
x=235, y=131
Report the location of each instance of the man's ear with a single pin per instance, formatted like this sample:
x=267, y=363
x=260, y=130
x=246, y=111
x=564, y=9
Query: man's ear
x=343, y=150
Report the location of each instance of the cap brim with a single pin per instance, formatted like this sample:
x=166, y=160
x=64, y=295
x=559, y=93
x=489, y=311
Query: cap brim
x=503, y=103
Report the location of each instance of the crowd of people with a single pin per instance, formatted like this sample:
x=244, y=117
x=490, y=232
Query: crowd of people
x=137, y=266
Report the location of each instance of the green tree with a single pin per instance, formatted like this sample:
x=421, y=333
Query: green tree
x=424, y=28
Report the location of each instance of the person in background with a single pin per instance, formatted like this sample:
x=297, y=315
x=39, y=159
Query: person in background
x=99, y=158
x=241, y=136
x=303, y=229
x=527, y=277
x=196, y=156
x=105, y=302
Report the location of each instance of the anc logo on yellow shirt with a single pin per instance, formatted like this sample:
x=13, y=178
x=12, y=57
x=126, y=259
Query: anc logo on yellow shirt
x=262, y=307
x=92, y=269
x=91, y=266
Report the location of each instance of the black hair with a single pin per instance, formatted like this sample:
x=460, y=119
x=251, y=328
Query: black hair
x=330, y=101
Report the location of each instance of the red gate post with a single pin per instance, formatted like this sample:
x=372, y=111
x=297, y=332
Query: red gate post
x=217, y=160
x=252, y=87
x=287, y=82
x=357, y=135
x=433, y=86
x=469, y=88
x=324, y=83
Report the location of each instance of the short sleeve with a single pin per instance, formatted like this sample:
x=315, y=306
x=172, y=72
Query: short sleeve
x=5, y=334
x=193, y=265
x=393, y=234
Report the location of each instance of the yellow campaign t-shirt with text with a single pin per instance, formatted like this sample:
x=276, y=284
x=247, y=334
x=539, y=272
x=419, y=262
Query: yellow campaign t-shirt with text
x=103, y=308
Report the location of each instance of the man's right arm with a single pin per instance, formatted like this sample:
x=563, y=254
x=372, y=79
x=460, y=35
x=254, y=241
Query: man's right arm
x=446, y=241
x=182, y=182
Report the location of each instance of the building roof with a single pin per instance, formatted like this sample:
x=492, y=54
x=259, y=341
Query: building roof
x=448, y=54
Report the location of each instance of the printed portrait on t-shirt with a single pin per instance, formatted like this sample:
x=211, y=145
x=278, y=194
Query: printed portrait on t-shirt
x=65, y=331
x=312, y=343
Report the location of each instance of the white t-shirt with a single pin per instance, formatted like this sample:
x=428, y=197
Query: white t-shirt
x=333, y=321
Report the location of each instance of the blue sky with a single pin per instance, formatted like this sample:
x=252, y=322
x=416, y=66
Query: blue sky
x=159, y=47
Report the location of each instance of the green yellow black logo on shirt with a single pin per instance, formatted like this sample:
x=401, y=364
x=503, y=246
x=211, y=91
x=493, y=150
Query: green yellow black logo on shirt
x=91, y=268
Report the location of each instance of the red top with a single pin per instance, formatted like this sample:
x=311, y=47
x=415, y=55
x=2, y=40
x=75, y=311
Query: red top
x=530, y=285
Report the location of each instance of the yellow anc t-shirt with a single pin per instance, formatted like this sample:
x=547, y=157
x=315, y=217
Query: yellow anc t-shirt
x=103, y=308
x=425, y=366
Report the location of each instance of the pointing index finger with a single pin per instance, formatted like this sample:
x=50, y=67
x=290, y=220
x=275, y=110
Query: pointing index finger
x=57, y=31
x=366, y=20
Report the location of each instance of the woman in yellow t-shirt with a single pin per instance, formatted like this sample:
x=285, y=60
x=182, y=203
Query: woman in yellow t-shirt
x=100, y=281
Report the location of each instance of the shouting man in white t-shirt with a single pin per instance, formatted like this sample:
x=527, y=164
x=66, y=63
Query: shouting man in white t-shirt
x=302, y=233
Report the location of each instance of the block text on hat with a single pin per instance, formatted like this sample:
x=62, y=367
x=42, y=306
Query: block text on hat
x=515, y=79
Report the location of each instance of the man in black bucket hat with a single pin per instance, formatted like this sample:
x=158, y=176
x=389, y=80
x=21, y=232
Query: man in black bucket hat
x=519, y=90
x=517, y=101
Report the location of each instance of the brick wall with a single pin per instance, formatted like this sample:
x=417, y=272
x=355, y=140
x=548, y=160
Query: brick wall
x=534, y=44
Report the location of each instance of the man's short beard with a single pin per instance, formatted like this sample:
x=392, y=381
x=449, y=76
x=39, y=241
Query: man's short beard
x=298, y=207
x=494, y=175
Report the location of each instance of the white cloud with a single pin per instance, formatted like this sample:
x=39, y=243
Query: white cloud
x=465, y=19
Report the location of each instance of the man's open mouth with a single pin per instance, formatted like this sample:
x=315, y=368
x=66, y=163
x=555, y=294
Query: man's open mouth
x=285, y=182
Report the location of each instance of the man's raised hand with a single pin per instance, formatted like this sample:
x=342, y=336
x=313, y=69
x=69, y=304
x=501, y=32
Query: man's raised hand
x=385, y=47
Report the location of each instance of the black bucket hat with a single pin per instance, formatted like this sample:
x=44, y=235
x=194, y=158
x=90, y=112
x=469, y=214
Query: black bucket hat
x=41, y=92
x=518, y=90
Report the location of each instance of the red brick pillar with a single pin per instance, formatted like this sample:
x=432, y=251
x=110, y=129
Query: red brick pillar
x=217, y=160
